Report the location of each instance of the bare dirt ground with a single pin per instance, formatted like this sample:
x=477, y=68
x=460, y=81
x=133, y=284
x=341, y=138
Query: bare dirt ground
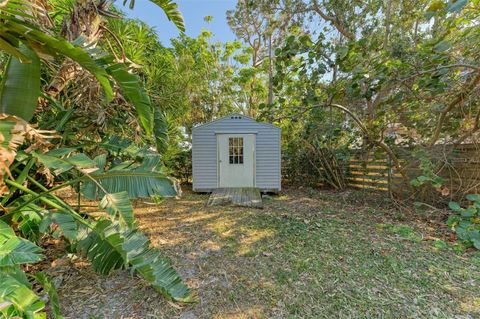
x=307, y=254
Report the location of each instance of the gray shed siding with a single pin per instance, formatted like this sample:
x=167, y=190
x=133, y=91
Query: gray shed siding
x=267, y=152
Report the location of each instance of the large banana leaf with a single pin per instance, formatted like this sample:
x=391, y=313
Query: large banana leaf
x=20, y=86
x=138, y=181
x=117, y=145
x=138, y=184
x=171, y=11
x=109, y=246
x=134, y=93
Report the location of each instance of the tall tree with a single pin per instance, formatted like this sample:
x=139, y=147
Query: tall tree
x=262, y=25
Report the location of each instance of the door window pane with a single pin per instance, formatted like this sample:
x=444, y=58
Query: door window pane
x=235, y=150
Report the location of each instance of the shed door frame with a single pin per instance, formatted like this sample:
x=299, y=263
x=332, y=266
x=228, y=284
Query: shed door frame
x=237, y=134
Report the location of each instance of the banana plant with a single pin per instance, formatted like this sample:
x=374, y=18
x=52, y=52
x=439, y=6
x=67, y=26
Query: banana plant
x=109, y=242
x=29, y=206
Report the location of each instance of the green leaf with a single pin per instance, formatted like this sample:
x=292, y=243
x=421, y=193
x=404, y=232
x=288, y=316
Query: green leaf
x=342, y=52
x=442, y=46
x=454, y=206
x=28, y=220
x=6, y=231
x=171, y=11
x=109, y=246
x=118, y=204
x=440, y=244
x=61, y=165
x=18, y=293
x=13, y=51
x=469, y=212
x=476, y=243
x=138, y=184
x=160, y=131
x=138, y=181
x=20, y=87
x=453, y=221
x=49, y=288
x=134, y=93
x=47, y=44
x=67, y=224
x=435, y=5
x=457, y=5
x=473, y=197
x=15, y=250
x=60, y=151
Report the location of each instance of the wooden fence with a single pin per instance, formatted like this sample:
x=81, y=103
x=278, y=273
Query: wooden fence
x=459, y=168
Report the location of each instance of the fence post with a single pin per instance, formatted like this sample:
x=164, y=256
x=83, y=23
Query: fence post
x=389, y=178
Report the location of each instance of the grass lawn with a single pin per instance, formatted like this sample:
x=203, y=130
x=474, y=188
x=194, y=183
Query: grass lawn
x=308, y=254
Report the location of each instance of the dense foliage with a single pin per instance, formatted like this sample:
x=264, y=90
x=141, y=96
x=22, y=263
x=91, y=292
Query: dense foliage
x=63, y=99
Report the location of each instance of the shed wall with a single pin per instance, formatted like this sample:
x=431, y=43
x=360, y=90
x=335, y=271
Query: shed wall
x=267, y=151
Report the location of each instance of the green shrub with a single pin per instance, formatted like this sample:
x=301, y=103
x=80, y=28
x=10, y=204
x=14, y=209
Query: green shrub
x=466, y=223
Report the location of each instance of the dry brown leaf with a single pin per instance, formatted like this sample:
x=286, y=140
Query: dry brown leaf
x=8, y=149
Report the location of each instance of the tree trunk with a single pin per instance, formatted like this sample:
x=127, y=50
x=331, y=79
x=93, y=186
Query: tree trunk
x=84, y=21
x=270, y=71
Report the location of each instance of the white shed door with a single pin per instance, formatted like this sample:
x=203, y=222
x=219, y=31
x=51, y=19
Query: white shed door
x=236, y=158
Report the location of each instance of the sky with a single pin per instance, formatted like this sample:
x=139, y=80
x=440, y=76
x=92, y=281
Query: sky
x=193, y=13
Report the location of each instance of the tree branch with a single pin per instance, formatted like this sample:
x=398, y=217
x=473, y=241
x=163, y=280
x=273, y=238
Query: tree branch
x=444, y=114
x=334, y=21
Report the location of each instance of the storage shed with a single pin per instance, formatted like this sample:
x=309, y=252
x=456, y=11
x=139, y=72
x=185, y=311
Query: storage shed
x=236, y=151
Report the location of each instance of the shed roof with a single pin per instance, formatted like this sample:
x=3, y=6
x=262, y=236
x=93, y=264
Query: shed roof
x=235, y=114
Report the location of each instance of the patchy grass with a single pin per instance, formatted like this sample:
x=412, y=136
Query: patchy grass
x=308, y=254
